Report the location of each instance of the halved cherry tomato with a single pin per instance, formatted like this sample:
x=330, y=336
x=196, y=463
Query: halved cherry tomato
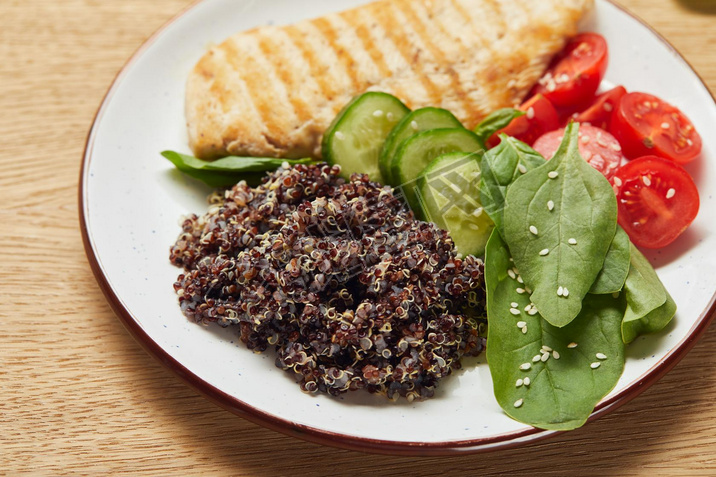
x=657, y=200
x=540, y=117
x=599, y=112
x=597, y=147
x=644, y=125
x=575, y=74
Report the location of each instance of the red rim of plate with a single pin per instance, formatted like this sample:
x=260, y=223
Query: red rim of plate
x=312, y=434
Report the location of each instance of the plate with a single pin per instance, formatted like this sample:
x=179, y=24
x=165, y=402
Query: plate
x=131, y=201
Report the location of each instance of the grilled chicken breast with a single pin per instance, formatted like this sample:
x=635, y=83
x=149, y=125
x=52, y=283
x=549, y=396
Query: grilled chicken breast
x=272, y=91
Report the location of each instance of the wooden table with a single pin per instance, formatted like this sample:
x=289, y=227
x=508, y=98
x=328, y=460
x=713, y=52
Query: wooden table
x=78, y=394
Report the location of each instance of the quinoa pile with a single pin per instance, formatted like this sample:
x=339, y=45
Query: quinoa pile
x=349, y=288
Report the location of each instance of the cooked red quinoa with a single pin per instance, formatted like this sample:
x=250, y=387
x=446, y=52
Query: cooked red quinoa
x=348, y=287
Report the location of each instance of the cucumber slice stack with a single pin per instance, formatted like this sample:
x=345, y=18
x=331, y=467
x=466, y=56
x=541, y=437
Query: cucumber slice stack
x=427, y=154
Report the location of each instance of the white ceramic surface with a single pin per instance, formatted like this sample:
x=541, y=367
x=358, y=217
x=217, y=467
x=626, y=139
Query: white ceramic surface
x=132, y=201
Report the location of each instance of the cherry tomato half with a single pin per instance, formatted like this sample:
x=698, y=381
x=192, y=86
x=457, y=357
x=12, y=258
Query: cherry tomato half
x=644, y=125
x=540, y=117
x=599, y=112
x=657, y=200
x=597, y=147
x=575, y=74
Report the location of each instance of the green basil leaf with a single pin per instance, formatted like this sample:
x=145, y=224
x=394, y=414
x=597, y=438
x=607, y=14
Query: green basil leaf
x=500, y=166
x=616, y=265
x=559, y=222
x=228, y=170
x=495, y=121
x=564, y=389
x=649, y=306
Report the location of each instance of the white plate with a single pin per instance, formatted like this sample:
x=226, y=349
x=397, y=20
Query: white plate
x=132, y=199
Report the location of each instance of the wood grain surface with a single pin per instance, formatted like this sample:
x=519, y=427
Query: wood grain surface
x=79, y=395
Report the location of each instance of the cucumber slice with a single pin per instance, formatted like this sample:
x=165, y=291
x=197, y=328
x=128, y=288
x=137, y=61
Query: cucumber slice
x=416, y=152
x=449, y=195
x=356, y=136
x=419, y=120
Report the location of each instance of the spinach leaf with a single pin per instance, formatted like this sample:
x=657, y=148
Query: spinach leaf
x=616, y=265
x=649, y=306
x=500, y=166
x=560, y=392
x=559, y=222
x=495, y=121
x=228, y=170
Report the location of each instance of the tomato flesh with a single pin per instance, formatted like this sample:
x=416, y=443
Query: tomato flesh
x=596, y=146
x=599, y=112
x=540, y=117
x=657, y=200
x=575, y=74
x=646, y=125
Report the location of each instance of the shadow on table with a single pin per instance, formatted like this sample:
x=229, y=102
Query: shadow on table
x=700, y=6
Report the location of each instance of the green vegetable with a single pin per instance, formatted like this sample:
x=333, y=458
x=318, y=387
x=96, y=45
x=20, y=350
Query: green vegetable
x=494, y=122
x=616, y=265
x=416, y=152
x=228, y=170
x=649, y=306
x=559, y=222
x=356, y=136
x=564, y=389
x=500, y=166
x=450, y=198
x=422, y=119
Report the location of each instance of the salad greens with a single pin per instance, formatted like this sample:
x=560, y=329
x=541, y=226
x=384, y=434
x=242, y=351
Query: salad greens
x=494, y=122
x=559, y=221
x=546, y=376
x=649, y=306
x=229, y=170
x=616, y=265
x=500, y=166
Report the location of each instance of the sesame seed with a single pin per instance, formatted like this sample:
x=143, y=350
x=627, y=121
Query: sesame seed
x=521, y=168
x=607, y=107
x=536, y=358
x=414, y=125
x=670, y=193
x=514, y=304
x=473, y=226
x=572, y=241
x=477, y=212
x=553, y=174
x=529, y=307
x=545, y=357
x=565, y=292
x=689, y=142
x=544, y=252
x=533, y=230
x=286, y=165
x=560, y=291
x=530, y=113
x=514, y=311
x=390, y=116
x=546, y=348
x=527, y=381
x=595, y=365
x=615, y=146
x=519, y=279
x=519, y=402
x=512, y=274
x=572, y=345
x=340, y=136
x=378, y=113
x=518, y=383
x=524, y=330
x=520, y=290
x=601, y=356
x=646, y=180
x=525, y=366
x=555, y=354
x=665, y=125
x=533, y=311
x=617, y=182
x=550, y=205
x=528, y=290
